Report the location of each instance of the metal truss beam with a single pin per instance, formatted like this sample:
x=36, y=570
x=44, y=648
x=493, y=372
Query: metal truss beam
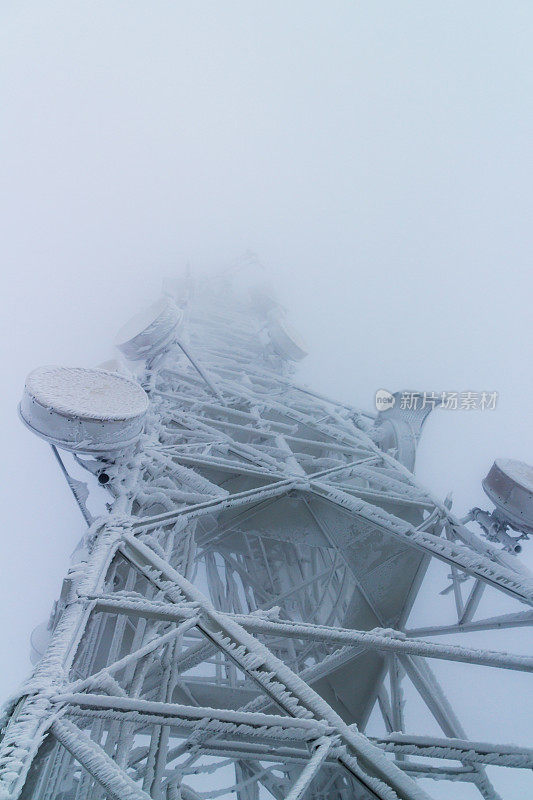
x=269, y=696
x=517, y=620
x=475, y=564
x=297, y=791
x=114, y=780
x=293, y=695
x=385, y=640
x=276, y=489
x=501, y=755
x=165, y=713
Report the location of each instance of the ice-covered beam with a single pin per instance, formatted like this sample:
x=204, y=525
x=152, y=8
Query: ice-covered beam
x=517, y=620
x=28, y=723
x=386, y=640
x=286, y=688
x=236, y=500
x=219, y=464
x=200, y=404
x=149, y=647
x=167, y=712
x=95, y=760
x=473, y=563
x=275, y=489
x=502, y=755
x=299, y=788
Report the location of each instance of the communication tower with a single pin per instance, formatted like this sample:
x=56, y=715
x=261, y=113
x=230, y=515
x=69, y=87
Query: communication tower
x=239, y=603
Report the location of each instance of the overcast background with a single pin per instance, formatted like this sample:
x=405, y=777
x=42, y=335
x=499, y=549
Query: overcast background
x=376, y=155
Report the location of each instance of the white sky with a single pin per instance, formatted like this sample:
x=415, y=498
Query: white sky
x=377, y=156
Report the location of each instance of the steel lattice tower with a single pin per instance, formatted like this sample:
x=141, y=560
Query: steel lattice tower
x=240, y=606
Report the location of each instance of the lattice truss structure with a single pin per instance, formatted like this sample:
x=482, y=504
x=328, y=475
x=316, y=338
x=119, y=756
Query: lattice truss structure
x=227, y=628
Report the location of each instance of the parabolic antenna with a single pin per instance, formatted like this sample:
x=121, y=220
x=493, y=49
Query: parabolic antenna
x=39, y=641
x=509, y=484
x=150, y=331
x=399, y=428
x=86, y=410
x=286, y=340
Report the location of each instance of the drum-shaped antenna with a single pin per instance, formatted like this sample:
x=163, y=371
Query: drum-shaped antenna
x=285, y=340
x=39, y=641
x=85, y=410
x=149, y=332
x=509, y=484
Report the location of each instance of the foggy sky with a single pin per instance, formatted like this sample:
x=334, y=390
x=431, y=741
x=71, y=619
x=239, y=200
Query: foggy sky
x=377, y=157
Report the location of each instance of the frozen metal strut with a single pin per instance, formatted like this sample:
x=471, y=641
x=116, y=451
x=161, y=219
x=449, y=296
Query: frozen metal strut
x=238, y=605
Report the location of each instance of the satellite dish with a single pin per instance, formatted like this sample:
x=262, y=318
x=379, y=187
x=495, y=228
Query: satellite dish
x=39, y=641
x=85, y=410
x=285, y=340
x=400, y=428
x=509, y=484
x=149, y=332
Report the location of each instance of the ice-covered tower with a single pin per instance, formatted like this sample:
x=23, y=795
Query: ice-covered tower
x=237, y=608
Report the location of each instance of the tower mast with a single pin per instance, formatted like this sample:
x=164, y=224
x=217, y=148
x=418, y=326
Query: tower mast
x=238, y=605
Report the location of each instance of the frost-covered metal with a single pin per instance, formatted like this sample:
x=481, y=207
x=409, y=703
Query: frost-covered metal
x=86, y=410
x=238, y=606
